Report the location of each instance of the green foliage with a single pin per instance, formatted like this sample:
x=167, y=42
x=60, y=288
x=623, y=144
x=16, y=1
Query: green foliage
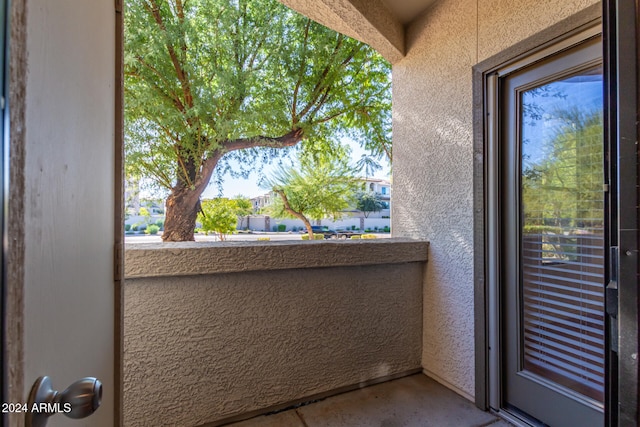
x=160, y=223
x=282, y=227
x=210, y=81
x=539, y=229
x=218, y=216
x=318, y=188
x=153, y=229
x=127, y=227
x=144, y=212
x=386, y=229
x=315, y=237
x=369, y=164
x=200, y=74
x=368, y=202
x=562, y=188
x=244, y=208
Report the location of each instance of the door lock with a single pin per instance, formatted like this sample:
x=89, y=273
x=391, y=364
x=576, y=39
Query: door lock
x=79, y=400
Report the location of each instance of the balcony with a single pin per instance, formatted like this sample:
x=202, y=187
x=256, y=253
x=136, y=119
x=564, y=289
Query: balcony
x=221, y=332
x=411, y=401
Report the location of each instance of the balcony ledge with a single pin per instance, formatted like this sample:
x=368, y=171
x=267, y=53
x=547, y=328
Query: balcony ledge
x=204, y=258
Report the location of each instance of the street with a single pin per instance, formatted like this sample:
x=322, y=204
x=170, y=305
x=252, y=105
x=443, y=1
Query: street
x=273, y=236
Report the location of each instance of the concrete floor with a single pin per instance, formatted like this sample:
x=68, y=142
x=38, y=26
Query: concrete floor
x=411, y=401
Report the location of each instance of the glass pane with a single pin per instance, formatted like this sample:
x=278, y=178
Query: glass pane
x=562, y=232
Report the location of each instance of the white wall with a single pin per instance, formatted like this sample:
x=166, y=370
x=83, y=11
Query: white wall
x=69, y=308
x=257, y=223
x=433, y=158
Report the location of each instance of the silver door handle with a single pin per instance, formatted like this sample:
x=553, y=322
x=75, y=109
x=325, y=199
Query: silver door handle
x=79, y=400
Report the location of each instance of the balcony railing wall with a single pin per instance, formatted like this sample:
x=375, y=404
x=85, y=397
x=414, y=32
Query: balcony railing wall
x=219, y=331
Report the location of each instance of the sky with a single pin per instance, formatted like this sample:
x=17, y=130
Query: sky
x=249, y=187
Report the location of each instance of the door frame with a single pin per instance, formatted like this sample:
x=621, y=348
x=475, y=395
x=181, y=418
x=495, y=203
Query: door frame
x=15, y=138
x=486, y=262
x=13, y=243
x=4, y=197
x=622, y=65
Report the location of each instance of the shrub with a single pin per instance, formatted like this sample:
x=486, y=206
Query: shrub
x=539, y=229
x=160, y=224
x=142, y=227
x=353, y=227
x=274, y=228
x=386, y=229
x=315, y=237
x=135, y=226
x=282, y=227
x=153, y=229
x=127, y=227
x=294, y=228
x=368, y=236
x=264, y=239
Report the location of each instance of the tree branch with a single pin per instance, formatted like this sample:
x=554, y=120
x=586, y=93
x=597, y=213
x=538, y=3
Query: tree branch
x=288, y=140
x=294, y=114
x=291, y=211
x=180, y=72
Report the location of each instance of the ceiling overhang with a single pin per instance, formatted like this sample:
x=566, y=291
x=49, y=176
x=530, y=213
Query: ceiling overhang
x=369, y=21
x=379, y=23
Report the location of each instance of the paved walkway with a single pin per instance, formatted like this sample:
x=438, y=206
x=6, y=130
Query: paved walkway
x=415, y=401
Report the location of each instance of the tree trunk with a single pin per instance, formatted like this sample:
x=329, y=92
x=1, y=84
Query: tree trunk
x=307, y=224
x=183, y=205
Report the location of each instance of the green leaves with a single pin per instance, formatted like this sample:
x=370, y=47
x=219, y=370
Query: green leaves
x=202, y=74
x=318, y=188
x=211, y=81
x=368, y=202
x=218, y=216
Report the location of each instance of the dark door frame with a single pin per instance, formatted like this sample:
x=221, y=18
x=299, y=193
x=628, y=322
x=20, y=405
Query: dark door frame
x=620, y=35
x=4, y=198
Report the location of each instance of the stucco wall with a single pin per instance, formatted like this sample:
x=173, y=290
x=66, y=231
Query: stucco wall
x=433, y=158
x=284, y=326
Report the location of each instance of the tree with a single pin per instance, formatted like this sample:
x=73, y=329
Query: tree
x=369, y=164
x=244, y=208
x=211, y=81
x=144, y=212
x=321, y=187
x=368, y=202
x=563, y=187
x=218, y=216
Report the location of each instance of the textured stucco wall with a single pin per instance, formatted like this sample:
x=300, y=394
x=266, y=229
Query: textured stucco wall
x=433, y=158
x=212, y=346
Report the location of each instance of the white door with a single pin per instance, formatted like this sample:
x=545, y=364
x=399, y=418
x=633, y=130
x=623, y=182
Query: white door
x=69, y=198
